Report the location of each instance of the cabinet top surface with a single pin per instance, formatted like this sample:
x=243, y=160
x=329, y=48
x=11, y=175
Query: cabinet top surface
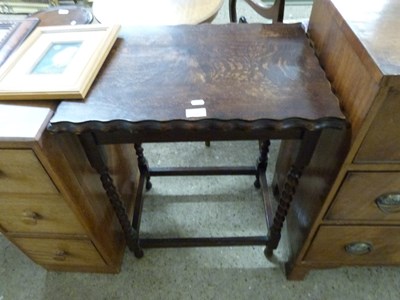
x=246, y=72
x=376, y=24
x=23, y=121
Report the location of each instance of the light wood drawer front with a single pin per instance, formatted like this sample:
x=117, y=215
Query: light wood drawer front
x=367, y=244
x=37, y=213
x=60, y=251
x=21, y=172
x=367, y=196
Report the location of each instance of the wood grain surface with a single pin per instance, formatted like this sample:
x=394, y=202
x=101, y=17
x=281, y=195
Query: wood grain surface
x=242, y=72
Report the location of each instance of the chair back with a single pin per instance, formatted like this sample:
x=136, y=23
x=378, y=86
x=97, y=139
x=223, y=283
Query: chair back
x=273, y=12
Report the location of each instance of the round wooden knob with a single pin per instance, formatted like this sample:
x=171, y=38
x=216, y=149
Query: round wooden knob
x=60, y=255
x=30, y=217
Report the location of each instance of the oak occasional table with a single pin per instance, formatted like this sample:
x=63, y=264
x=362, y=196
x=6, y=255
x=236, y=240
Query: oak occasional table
x=199, y=83
x=156, y=12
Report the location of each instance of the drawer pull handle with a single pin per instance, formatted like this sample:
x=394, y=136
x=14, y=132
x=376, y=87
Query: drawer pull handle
x=60, y=255
x=358, y=248
x=31, y=217
x=389, y=203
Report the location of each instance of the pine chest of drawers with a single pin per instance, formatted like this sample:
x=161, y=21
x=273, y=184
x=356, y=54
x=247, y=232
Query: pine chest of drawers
x=52, y=204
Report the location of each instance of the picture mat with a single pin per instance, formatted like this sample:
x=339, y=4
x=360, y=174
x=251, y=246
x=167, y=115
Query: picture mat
x=17, y=82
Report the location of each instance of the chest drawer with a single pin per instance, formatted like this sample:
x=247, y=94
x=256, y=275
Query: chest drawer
x=368, y=196
x=37, y=213
x=60, y=251
x=21, y=172
x=382, y=142
x=356, y=245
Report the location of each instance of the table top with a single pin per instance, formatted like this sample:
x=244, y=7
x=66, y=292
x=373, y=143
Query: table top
x=375, y=25
x=155, y=12
x=242, y=72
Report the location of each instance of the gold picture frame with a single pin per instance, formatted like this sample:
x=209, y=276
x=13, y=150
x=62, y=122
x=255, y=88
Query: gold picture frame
x=57, y=62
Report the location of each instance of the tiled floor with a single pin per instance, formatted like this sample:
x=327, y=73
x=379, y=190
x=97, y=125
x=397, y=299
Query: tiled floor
x=232, y=204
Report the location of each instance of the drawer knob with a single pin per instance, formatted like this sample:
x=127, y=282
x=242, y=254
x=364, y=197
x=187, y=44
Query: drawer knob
x=358, y=248
x=60, y=255
x=389, y=203
x=31, y=217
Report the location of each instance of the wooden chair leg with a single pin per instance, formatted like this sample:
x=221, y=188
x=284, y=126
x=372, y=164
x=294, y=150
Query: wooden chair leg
x=232, y=11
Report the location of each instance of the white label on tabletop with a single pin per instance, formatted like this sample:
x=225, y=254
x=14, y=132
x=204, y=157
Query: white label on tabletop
x=63, y=11
x=196, y=112
x=197, y=102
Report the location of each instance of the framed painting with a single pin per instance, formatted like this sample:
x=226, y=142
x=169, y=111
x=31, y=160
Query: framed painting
x=58, y=62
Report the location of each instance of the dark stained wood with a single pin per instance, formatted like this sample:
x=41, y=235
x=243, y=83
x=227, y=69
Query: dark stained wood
x=204, y=242
x=64, y=15
x=258, y=82
x=248, y=73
